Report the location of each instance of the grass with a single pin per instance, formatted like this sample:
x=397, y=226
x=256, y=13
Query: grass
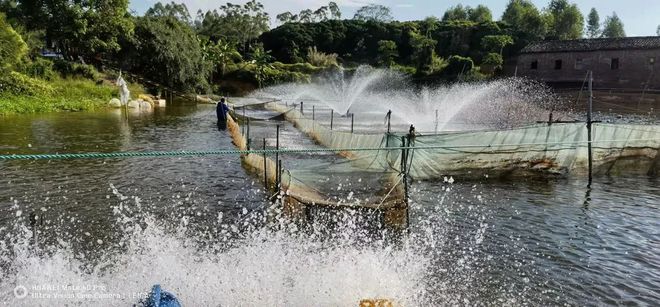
x=70, y=94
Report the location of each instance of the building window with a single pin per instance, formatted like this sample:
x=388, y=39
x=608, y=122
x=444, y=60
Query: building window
x=558, y=64
x=535, y=65
x=614, y=64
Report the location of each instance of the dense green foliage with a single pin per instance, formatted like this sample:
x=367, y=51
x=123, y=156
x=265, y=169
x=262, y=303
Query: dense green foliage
x=76, y=28
x=387, y=53
x=168, y=51
x=14, y=83
x=71, y=69
x=12, y=46
x=234, y=46
x=565, y=20
x=59, y=95
x=357, y=41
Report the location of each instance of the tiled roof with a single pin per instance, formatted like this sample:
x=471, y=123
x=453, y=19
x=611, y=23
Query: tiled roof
x=648, y=42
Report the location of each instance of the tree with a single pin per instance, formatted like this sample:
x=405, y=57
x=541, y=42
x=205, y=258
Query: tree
x=523, y=16
x=286, y=17
x=261, y=59
x=387, y=53
x=480, y=14
x=423, y=52
x=12, y=46
x=168, y=51
x=374, y=12
x=657, y=31
x=306, y=16
x=237, y=24
x=593, y=24
x=496, y=42
x=457, y=12
x=613, y=27
x=220, y=54
x=335, y=12
x=565, y=20
x=331, y=11
x=178, y=11
x=78, y=28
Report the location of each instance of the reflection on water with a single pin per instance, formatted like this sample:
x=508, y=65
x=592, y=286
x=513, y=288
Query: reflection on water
x=198, y=226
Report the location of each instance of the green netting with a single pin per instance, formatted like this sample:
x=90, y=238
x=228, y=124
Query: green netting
x=328, y=179
x=557, y=149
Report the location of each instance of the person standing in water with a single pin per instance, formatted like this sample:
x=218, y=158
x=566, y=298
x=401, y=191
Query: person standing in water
x=221, y=111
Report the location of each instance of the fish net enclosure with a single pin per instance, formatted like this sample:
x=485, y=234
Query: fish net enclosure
x=559, y=149
x=543, y=149
x=362, y=150
x=307, y=172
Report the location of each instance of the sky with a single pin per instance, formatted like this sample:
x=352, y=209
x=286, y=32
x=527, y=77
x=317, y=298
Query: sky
x=640, y=17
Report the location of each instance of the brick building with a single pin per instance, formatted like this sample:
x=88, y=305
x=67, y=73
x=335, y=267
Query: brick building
x=617, y=63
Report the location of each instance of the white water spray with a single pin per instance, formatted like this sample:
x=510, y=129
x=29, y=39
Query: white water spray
x=370, y=93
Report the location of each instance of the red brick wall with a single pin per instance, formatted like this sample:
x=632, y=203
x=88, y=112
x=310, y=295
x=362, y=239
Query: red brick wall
x=634, y=72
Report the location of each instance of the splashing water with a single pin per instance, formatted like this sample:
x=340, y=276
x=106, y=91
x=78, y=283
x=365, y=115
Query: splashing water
x=249, y=260
x=370, y=93
x=235, y=264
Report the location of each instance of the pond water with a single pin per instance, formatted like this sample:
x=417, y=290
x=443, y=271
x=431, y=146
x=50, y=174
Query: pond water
x=102, y=232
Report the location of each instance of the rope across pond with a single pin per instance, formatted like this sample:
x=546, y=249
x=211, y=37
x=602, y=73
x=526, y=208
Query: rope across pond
x=157, y=154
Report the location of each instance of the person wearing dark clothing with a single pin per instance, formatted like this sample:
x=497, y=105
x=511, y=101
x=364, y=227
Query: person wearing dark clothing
x=221, y=111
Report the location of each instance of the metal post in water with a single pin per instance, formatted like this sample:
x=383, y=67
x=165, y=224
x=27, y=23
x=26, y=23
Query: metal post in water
x=313, y=112
x=332, y=118
x=589, y=119
x=387, y=138
x=389, y=124
x=436, y=121
x=279, y=175
x=404, y=168
x=248, y=134
x=550, y=119
x=277, y=144
x=352, y=121
x=265, y=168
x=301, y=108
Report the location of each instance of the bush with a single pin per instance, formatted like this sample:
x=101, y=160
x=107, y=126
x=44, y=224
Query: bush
x=457, y=65
x=38, y=68
x=12, y=46
x=273, y=74
x=15, y=83
x=321, y=59
x=70, y=69
x=491, y=63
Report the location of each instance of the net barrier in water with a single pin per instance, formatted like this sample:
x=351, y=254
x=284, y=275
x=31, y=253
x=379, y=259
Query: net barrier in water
x=316, y=182
x=555, y=149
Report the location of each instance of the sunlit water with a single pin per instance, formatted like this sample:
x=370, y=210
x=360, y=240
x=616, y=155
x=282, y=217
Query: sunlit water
x=107, y=230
